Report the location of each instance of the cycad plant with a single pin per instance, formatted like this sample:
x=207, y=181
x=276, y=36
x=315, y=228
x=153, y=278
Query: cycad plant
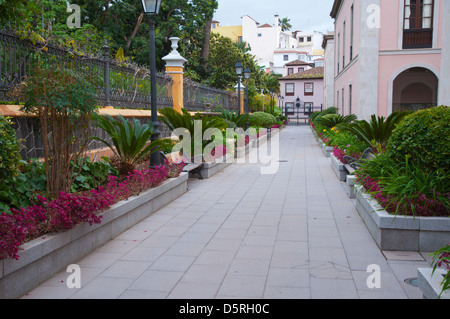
x=130, y=143
x=175, y=120
x=377, y=132
x=333, y=120
x=235, y=120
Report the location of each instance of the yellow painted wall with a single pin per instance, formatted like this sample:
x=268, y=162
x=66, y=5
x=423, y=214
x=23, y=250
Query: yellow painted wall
x=232, y=32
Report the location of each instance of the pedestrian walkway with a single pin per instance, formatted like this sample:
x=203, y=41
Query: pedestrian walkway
x=241, y=234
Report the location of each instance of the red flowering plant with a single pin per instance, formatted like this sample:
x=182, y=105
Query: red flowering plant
x=27, y=223
x=441, y=259
x=405, y=188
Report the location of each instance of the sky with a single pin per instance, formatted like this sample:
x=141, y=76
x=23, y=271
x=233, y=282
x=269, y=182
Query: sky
x=305, y=15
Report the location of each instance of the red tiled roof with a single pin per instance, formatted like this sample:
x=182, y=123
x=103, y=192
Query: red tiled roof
x=299, y=62
x=265, y=26
x=315, y=73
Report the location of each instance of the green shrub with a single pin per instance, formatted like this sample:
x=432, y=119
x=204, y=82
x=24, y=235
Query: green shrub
x=130, y=143
x=21, y=190
x=92, y=174
x=377, y=131
x=9, y=150
x=262, y=119
x=332, y=120
x=424, y=137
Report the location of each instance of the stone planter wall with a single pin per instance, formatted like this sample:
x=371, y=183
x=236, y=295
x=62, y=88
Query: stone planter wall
x=402, y=233
x=430, y=285
x=42, y=258
x=211, y=168
x=338, y=168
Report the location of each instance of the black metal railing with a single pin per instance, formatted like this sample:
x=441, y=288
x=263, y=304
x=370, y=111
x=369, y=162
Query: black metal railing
x=199, y=97
x=417, y=38
x=121, y=85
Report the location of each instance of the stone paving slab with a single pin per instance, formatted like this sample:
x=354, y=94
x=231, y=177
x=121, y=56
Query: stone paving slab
x=294, y=234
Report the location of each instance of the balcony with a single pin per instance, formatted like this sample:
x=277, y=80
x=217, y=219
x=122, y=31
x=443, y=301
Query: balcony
x=417, y=38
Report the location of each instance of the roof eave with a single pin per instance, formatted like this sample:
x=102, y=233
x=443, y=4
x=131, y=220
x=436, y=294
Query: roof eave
x=335, y=9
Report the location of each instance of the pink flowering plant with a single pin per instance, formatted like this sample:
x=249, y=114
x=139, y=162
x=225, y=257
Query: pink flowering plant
x=441, y=259
x=405, y=188
x=70, y=209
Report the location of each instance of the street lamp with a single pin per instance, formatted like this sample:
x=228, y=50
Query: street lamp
x=272, y=101
x=151, y=8
x=247, y=75
x=239, y=71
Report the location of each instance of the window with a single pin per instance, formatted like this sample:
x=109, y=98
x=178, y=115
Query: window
x=308, y=107
x=302, y=39
x=418, y=24
x=350, y=98
x=290, y=89
x=343, y=102
x=343, y=45
x=309, y=88
x=301, y=70
x=289, y=107
x=259, y=35
x=285, y=57
x=309, y=39
x=338, y=51
x=351, y=31
x=290, y=71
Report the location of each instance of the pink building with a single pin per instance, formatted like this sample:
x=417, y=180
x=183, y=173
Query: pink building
x=390, y=55
x=302, y=92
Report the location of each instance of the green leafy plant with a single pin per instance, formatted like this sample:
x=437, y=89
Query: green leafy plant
x=130, y=143
x=22, y=189
x=262, y=119
x=424, y=137
x=331, y=110
x=441, y=258
x=9, y=150
x=175, y=120
x=235, y=120
x=406, y=189
x=333, y=120
x=377, y=131
x=93, y=174
x=63, y=100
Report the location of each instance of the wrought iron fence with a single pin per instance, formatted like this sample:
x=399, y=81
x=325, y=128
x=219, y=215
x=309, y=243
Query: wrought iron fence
x=119, y=85
x=203, y=98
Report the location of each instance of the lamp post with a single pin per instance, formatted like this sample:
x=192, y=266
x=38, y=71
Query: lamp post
x=247, y=75
x=272, y=101
x=239, y=71
x=151, y=8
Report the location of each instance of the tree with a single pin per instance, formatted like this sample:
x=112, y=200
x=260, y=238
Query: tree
x=285, y=24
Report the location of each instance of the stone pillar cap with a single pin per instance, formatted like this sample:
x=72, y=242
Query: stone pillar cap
x=174, y=59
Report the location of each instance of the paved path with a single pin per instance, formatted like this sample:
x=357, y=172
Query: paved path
x=241, y=234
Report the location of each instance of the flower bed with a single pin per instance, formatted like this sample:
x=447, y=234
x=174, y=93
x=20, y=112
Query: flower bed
x=401, y=232
x=68, y=210
x=48, y=254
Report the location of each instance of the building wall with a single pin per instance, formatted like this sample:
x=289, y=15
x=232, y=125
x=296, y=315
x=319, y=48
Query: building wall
x=379, y=56
x=316, y=99
x=232, y=32
x=328, y=100
x=393, y=60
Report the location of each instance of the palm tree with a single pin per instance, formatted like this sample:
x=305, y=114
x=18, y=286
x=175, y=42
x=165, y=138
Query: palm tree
x=284, y=23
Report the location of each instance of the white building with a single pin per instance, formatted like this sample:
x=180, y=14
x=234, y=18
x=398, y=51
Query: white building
x=272, y=47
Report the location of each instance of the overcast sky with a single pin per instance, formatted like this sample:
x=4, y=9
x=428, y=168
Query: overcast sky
x=305, y=15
